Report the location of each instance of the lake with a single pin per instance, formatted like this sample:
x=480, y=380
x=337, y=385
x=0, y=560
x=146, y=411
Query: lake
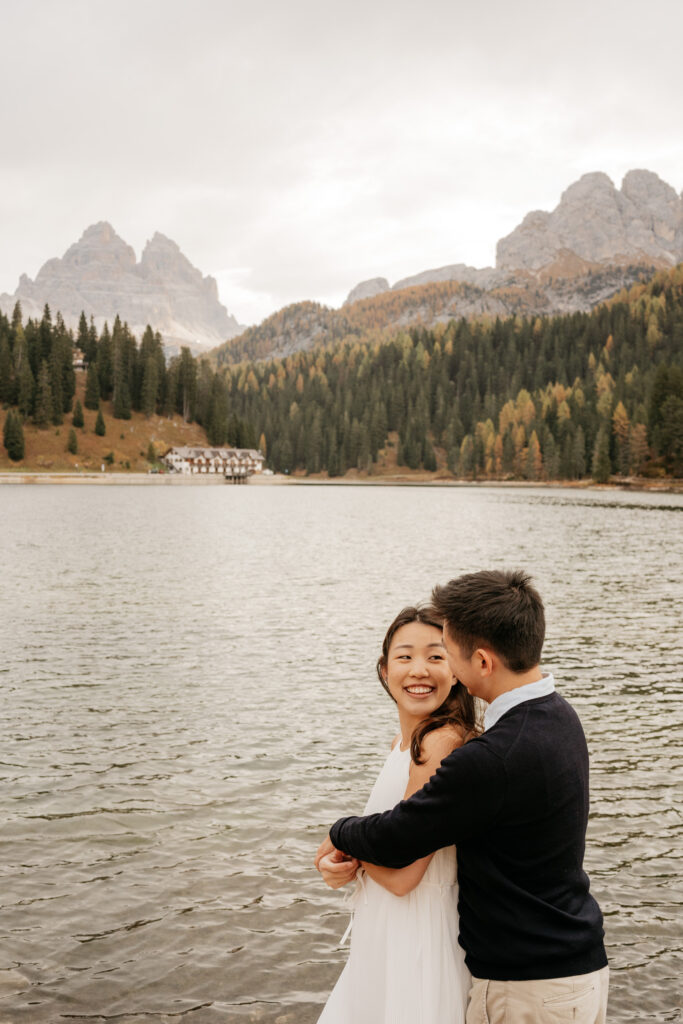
x=189, y=700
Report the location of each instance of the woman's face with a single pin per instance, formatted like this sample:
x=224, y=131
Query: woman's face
x=417, y=671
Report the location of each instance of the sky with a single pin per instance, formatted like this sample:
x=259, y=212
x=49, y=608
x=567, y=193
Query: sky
x=293, y=149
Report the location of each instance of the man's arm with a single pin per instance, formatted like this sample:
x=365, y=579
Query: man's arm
x=460, y=800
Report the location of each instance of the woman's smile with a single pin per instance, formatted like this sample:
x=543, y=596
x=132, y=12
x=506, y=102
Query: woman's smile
x=418, y=675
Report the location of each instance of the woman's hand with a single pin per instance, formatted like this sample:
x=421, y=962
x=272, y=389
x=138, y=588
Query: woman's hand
x=337, y=869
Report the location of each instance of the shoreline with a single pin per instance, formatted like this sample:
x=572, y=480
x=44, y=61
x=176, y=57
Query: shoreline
x=279, y=480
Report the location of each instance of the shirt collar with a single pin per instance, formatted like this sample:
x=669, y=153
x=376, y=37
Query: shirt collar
x=498, y=707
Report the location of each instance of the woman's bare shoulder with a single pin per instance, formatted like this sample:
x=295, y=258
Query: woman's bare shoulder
x=441, y=742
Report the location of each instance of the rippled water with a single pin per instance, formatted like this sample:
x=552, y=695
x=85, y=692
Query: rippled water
x=189, y=700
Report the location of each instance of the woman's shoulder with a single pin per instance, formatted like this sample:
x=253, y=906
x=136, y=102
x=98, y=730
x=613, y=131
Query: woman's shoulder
x=439, y=743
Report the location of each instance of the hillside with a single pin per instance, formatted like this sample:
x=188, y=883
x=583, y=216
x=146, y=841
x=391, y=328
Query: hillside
x=530, y=398
x=598, y=239
x=127, y=441
x=568, y=284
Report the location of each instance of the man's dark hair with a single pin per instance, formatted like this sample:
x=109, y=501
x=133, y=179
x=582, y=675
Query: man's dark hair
x=500, y=610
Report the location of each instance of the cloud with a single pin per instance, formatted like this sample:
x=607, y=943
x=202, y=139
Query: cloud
x=320, y=144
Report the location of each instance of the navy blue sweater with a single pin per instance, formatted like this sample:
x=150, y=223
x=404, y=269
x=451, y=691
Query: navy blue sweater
x=514, y=801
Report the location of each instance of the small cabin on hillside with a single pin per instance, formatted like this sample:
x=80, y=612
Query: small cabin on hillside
x=233, y=463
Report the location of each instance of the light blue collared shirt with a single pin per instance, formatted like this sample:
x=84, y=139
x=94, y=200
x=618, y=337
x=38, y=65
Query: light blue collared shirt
x=498, y=707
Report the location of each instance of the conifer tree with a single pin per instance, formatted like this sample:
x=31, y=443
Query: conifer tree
x=83, y=335
x=578, y=455
x=150, y=386
x=42, y=413
x=72, y=443
x=26, y=380
x=56, y=386
x=77, y=418
x=7, y=387
x=100, y=428
x=92, y=388
x=17, y=316
x=105, y=363
x=600, y=466
x=7, y=426
x=13, y=436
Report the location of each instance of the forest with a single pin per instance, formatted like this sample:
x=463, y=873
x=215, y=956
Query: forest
x=532, y=398
x=535, y=398
x=38, y=379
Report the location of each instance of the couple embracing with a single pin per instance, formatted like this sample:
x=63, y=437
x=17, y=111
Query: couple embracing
x=512, y=935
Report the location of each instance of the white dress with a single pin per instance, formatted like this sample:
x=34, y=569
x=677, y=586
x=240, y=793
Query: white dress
x=405, y=965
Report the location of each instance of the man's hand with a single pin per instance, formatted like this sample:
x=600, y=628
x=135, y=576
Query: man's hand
x=337, y=869
x=323, y=850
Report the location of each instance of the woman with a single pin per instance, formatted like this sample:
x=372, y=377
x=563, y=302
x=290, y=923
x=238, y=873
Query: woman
x=405, y=964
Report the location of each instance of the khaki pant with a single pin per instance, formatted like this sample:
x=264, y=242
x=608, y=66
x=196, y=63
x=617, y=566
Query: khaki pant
x=581, y=999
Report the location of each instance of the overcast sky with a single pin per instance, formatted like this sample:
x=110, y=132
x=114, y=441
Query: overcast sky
x=293, y=148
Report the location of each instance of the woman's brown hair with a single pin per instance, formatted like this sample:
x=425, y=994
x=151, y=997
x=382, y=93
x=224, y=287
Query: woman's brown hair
x=458, y=709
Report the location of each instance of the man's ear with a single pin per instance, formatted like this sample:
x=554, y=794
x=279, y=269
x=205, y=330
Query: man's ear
x=483, y=661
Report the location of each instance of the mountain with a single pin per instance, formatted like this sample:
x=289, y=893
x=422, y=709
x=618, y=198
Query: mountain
x=594, y=225
x=641, y=222
x=304, y=325
x=598, y=240
x=99, y=275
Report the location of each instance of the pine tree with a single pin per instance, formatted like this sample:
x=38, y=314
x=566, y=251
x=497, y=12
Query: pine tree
x=77, y=418
x=429, y=457
x=100, y=428
x=105, y=363
x=150, y=386
x=600, y=466
x=42, y=413
x=671, y=434
x=72, y=443
x=56, y=386
x=6, y=372
x=92, y=388
x=26, y=380
x=578, y=455
x=13, y=436
x=7, y=426
x=187, y=383
x=122, y=402
x=83, y=335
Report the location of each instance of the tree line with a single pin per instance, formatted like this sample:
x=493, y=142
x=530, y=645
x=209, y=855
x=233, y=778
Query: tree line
x=535, y=398
x=38, y=380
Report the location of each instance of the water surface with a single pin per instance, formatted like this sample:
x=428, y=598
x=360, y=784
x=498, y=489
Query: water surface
x=189, y=700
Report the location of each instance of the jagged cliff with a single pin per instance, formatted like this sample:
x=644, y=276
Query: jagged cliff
x=99, y=275
x=641, y=222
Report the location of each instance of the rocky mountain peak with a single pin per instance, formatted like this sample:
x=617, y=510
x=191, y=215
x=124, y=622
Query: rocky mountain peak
x=640, y=223
x=367, y=290
x=99, y=248
x=99, y=275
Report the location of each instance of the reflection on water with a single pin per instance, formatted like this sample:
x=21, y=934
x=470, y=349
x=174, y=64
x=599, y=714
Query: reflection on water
x=189, y=701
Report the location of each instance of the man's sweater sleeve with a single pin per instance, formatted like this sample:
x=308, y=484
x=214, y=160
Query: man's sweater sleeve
x=460, y=800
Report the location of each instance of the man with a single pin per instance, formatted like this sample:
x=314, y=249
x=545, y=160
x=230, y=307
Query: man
x=514, y=801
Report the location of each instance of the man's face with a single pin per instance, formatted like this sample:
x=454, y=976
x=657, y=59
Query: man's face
x=472, y=672
x=460, y=665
